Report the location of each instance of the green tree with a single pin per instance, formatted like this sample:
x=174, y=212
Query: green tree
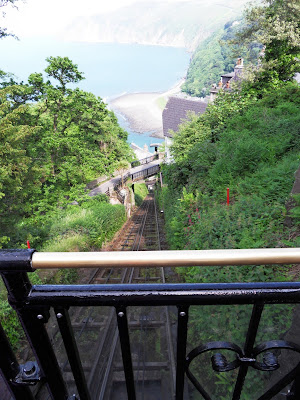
x=54, y=141
x=15, y=162
x=122, y=168
x=214, y=57
x=276, y=25
x=64, y=71
x=193, y=131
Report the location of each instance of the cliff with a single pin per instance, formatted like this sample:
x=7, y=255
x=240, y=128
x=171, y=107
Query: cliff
x=180, y=24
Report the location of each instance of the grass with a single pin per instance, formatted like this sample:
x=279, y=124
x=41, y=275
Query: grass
x=161, y=102
x=82, y=227
x=140, y=192
x=85, y=227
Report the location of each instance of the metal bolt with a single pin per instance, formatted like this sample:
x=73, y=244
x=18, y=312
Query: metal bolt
x=59, y=315
x=121, y=314
x=39, y=316
x=182, y=314
x=29, y=368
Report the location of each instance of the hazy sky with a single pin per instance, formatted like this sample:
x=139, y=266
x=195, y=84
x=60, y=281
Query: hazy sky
x=44, y=17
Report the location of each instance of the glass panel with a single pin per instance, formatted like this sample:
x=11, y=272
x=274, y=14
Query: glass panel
x=216, y=324
x=148, y=275
x=59, y=349
x=96, y=335
x=97, y=338
x=152, y=331
x=230, y=323
x=278, y=322
x=4, y=392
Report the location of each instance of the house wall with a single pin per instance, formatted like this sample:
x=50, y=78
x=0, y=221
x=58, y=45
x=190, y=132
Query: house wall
x=168, y=143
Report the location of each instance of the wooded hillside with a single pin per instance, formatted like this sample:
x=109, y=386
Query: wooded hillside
x=214, y=57
x=53, y=140
x=247, y=141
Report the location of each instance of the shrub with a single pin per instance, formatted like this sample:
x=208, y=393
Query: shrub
x=140, y=192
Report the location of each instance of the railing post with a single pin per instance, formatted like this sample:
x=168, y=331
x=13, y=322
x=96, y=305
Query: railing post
x=32, y=319
x=126, y=351
x=64, y=323
x=183, y=317
x=10, y=368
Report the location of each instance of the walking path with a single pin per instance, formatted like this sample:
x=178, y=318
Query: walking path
x=101, y=189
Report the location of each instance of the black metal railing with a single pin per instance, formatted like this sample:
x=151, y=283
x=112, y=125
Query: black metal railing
x=119, y=184
x=143, y=161
x=33, y=303
x=145, y=173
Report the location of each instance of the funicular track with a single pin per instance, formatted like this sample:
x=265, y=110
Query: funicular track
x=96, y=329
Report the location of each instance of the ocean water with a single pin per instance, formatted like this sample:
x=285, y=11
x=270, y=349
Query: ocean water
x=138, y=138
x=110, y=69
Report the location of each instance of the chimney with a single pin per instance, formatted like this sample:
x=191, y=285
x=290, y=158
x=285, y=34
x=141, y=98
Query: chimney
x=213, y=93
x=238, y=69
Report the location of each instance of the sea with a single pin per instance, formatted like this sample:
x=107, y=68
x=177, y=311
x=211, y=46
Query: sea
x=110, y=69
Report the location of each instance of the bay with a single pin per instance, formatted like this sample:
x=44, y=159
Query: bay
x=110, y=69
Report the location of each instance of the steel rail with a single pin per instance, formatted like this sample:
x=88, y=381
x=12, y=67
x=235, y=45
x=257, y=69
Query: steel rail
x=143, y=329
x=168, y=319
x=165, y=258
x=128, y=276
x=125, y=278
x=110, y=327
x=137, y=241
x=134, y=220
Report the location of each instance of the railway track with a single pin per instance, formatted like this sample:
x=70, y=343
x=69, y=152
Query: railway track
x=150, y=330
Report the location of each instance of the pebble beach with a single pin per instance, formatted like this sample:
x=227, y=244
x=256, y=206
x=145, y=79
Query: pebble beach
x=143, y=111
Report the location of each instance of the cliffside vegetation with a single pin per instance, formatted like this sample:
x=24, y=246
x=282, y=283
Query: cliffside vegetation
x=249, y=145
x=214, y=57
x=54, y=140
x=248, y=141
x=246, y=37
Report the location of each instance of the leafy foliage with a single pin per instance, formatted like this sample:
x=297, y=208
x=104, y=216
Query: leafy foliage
x=255, y=154
x=251, y=146
x=86, y=227
x=140, y=192
x=10, y=324
x=54, y=140
x=248, y=141
x=213, y=57
x=275, y=25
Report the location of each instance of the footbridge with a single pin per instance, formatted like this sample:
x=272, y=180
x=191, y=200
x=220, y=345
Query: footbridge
x=140, y=169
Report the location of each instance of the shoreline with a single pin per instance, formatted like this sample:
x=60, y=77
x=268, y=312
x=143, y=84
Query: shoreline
x=143, y=111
